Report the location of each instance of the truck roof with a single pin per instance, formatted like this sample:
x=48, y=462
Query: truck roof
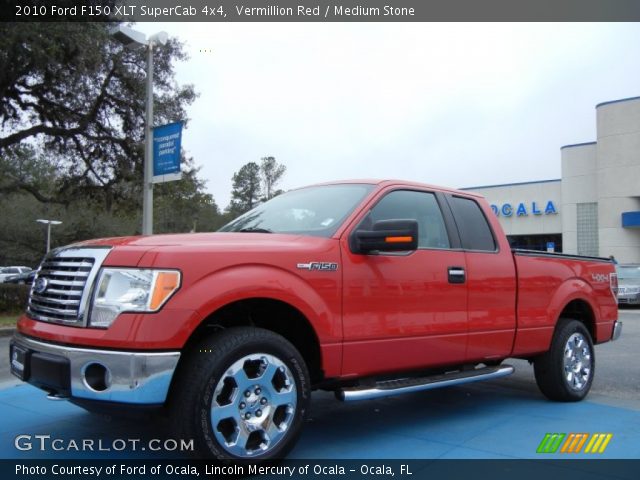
x=404, y=183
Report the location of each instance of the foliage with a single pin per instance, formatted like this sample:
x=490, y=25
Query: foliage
x=246, y=190
x=13, y=297
x=72, y=105
x=253, y=184
x=182, y=206
x=71, y=139
x=271, y=173
x=73, y=95
x=23, y=241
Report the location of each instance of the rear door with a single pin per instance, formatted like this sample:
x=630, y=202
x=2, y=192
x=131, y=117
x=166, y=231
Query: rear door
x=405, y=310
x=491, y=281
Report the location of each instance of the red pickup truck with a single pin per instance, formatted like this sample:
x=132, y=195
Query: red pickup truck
x=366, y=288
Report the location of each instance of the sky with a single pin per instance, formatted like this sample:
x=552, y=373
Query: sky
x=449, y=104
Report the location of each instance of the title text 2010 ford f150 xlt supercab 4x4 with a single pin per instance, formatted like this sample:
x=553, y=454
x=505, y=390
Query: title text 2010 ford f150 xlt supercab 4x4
x=366, y=288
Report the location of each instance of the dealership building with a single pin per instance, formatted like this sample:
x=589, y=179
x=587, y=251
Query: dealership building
x=594, y=209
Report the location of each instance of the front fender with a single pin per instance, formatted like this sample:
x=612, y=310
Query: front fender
x=318, y=298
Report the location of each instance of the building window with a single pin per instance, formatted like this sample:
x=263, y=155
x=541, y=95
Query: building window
x=588, y=229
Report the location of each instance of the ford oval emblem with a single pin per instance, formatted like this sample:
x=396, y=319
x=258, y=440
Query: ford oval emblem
x=40, y=285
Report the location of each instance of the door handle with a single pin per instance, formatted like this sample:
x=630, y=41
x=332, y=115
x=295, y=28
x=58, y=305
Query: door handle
x=457, y=275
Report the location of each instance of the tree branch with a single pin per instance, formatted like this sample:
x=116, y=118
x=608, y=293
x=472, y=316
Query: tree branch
x=61, y=131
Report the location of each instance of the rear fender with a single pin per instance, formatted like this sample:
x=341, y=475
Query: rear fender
x=573, y=289
x=536, y=338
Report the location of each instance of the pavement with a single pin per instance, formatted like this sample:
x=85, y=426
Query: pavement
x=501, y=419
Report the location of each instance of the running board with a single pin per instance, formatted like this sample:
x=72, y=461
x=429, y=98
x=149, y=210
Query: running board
x=409, y=385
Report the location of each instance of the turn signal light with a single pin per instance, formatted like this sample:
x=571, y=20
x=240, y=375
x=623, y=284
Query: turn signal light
x=166, y=283
x=398, y=239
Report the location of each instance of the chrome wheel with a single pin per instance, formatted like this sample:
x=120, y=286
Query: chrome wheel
x=253, y=405
x=577, y=361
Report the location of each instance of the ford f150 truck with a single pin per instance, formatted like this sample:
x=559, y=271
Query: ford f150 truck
x=366, y=288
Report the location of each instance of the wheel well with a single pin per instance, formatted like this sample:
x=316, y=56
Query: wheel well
x=270, y=314
x=581, y=311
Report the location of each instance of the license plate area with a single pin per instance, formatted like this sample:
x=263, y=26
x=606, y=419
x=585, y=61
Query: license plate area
x=19, y=361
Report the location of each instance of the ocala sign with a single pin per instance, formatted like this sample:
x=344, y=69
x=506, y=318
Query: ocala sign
x=523, y=209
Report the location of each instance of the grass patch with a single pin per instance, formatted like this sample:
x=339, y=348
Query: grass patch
x=8, y=319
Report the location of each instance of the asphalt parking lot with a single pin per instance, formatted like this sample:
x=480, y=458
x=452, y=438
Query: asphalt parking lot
x=506, y=418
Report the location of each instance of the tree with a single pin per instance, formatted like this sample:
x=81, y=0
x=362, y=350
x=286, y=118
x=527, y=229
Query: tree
x=73, y=95
x=22, y=240
x=183, y=206
x=246, y=191
x=71, y=138
x=271, y=173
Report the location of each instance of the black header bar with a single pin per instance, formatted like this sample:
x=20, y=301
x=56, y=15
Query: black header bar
x=320, y=10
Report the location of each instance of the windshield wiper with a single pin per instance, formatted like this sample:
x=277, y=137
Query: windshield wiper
x=255, y=230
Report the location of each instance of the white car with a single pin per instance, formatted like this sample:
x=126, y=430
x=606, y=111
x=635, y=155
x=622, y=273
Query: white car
x=628, y=284
x=6, y=272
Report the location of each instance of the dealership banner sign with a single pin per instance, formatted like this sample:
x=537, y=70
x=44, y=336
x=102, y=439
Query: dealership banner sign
x=167, y=141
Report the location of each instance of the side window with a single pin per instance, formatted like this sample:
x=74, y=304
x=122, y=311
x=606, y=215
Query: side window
x=474, y=229
x=419, y=206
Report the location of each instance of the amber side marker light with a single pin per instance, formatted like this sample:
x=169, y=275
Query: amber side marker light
x=398, y=239
x=166, y=283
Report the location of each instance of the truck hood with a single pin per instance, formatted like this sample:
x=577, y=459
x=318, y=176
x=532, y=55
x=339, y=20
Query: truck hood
x=201, y=254
x=222, y=241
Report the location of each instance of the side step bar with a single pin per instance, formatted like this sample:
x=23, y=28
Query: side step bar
x=408, y=385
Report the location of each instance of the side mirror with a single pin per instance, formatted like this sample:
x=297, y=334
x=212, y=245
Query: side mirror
x=386, y=236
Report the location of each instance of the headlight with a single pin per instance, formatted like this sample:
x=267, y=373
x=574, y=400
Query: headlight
x=130, y=290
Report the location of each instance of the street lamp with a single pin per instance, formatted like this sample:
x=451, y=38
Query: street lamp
x=49, y=223
x=133, y=39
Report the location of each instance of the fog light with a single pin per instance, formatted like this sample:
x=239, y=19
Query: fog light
x=96, y=377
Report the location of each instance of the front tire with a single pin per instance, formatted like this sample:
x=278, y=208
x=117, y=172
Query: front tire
x=565, y=372
x=242, y=394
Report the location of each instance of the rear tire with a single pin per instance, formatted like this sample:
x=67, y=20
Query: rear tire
x=241, y=395
x=565, y=372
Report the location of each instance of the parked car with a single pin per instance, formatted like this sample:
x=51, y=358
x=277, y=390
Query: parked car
x=628, y=284
x=7, y=272
x=25, y=278
x=365, y=288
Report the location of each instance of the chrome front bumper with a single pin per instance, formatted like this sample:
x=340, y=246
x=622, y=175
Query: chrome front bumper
x=617, y=330
x=105, y=375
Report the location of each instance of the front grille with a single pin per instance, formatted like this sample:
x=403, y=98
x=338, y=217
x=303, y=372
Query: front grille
x=61, y=287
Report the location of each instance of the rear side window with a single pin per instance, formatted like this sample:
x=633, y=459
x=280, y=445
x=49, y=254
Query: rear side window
x=474, y=229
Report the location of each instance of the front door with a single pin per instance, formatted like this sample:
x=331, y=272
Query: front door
x=404, y=310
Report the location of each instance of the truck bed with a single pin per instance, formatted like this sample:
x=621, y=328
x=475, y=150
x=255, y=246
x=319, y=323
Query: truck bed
x=553, y=285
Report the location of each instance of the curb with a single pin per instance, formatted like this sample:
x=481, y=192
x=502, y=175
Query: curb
x=7, y=331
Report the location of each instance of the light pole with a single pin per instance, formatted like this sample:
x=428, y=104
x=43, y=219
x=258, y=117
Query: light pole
x=133, y=39
x=49, y=223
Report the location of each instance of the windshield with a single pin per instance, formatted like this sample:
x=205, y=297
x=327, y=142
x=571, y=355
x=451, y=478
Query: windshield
x=317, y=211
x=628, y=273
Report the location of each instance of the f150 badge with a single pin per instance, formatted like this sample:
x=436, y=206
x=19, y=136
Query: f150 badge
x=319, y=266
